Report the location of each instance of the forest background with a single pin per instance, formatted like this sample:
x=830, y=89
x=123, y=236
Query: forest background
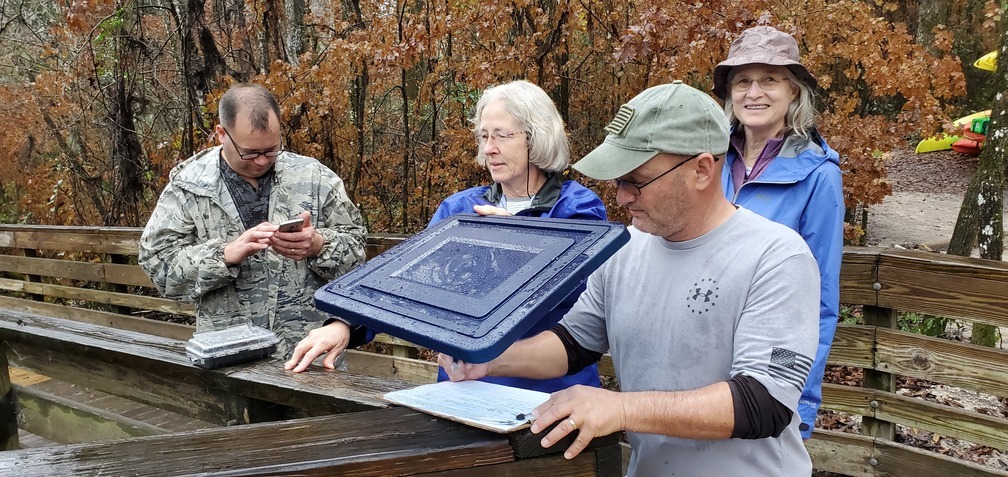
x=99, y=99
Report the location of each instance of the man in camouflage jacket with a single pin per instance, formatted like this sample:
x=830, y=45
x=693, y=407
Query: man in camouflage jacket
x=212, y=238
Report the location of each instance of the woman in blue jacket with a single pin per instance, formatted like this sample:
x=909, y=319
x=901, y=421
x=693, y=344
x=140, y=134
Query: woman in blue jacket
x=781, y=168
x=523, y=144
x=524, y=147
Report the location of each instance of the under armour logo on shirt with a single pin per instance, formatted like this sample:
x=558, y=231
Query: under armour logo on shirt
x=706, y=295
x=703, y=296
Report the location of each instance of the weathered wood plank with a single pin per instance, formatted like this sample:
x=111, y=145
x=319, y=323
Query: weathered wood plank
x=877, y=377
x=8, y=413
x=943, y=420
x=554, y=466
x=895, y=459
x=944, y=285
x=155, y=371
x=166, y=421
x=853, y=345
x=846, y=454
x=116, y=240
x=940, y=360
x=29, y=440
x=384, y=366
x=850, y=399
x=378, y=243
x=97, y=317
x=388, y=442
x=857, y=275
x=73, y=270
x=62, y=420
x=855, y=455
x=917, y=413
x=165, y=305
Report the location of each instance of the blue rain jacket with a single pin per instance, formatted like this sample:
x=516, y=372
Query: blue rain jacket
x=801, y=188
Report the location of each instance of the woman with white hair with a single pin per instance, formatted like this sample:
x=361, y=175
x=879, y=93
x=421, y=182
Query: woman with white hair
x=523, y=144
x=781, y=168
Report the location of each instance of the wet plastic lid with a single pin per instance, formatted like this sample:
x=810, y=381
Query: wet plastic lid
x=236, y=341
x=471, y=286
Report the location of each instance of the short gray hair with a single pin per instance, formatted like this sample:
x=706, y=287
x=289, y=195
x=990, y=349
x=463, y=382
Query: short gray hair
x=549, y=149
x=251, y=98
x=800, y=117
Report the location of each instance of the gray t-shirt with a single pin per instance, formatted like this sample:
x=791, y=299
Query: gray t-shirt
x=741, y=299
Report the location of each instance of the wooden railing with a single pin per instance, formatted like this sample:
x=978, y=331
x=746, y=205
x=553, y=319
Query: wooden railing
x=317, y=423
x=89, y=274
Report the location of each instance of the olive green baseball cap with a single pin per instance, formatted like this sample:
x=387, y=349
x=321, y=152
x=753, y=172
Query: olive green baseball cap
x=672, y=118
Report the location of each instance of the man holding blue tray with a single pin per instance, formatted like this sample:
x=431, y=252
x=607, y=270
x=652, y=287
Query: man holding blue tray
x=710, y=312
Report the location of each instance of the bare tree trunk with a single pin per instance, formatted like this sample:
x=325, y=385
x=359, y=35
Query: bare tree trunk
x=358, y=96
x=294, y=11
x=407, y=136
x=272, y=37
x=931, y=13
x=125, y=159
x=981, y=218
x=966, y=19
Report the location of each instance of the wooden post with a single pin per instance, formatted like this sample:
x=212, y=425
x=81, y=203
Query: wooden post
x=874, y=379
x=8, y=414
x=115, y=287
x=30, y=252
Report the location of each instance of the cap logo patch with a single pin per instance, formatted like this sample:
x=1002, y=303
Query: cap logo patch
x=621, y=121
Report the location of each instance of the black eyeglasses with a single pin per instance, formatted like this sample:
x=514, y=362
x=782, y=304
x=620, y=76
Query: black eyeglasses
x=635, y=188
x=251, y=156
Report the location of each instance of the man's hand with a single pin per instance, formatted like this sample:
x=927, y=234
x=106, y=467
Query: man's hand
x=298, y=245
x=490, y=210
x=332, y=339
x=249, y=243
x=589, y=411
x=460, y=370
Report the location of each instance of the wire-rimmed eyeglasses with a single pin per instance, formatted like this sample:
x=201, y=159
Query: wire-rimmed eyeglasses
x=499, y=137
x=635, y=187
x=766, y=83
x=251, y=156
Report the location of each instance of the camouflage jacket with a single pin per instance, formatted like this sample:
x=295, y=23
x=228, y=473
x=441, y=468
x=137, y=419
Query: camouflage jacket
x=182, y=246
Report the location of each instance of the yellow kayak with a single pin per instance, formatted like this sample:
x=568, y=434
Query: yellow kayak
x=943, y=142
x=987, y=62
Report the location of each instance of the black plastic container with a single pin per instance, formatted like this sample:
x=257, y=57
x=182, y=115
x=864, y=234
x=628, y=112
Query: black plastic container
x=233, y=345
x=471, y=286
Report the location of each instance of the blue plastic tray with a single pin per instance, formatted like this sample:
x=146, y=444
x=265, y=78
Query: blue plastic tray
x=471, y=286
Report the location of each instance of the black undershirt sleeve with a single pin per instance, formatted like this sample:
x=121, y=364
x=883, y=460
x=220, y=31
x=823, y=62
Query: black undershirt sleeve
x=757, y=413
x=578, y=357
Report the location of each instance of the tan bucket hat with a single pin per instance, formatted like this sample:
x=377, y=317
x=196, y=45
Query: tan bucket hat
x=764, y=45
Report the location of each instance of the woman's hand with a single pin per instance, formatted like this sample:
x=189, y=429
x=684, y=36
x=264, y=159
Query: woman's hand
x=490, y=210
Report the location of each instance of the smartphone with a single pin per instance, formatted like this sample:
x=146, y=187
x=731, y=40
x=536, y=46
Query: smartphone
x=292, y=225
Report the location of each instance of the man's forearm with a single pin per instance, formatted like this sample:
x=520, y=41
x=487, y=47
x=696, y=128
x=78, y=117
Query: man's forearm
x=540, y=357
x=704, y=413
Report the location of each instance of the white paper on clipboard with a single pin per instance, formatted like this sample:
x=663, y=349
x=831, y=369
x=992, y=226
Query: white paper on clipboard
x=488, y=406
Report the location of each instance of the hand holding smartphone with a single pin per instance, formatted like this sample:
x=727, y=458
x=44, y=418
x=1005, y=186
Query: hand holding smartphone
x=292, y=225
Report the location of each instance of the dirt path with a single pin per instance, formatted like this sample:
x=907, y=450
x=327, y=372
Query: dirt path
x=927, y=194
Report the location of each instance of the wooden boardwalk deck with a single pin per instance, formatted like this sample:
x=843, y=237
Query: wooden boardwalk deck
x=55, y=413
